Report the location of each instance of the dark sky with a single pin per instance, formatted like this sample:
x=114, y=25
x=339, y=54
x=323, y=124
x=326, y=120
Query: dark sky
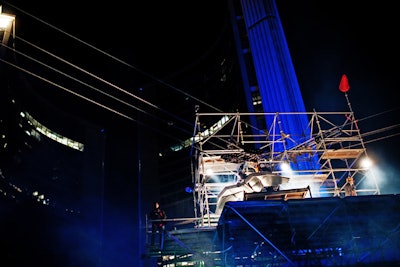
x=156, y=39
x=331, y=38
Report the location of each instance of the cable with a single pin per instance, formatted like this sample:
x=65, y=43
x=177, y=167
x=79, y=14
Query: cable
x=66, y=89
x=94, y=88
x=98, y=78
x=115, y=58
x=87, y=99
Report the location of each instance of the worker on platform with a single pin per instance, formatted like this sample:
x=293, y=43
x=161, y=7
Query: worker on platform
x=350, y=187
x=158, y=222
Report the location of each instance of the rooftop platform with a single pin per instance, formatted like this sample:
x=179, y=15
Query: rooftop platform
x=328, y=231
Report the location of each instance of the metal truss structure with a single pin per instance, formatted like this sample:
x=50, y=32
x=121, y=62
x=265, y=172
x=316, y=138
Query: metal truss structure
x=321, y=157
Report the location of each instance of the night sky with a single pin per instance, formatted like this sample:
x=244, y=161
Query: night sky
x=135, y=46
x=334, y=38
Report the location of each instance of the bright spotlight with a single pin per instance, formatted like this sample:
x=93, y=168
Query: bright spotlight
x=285, y=166
x=7, y=27
x=366, y=163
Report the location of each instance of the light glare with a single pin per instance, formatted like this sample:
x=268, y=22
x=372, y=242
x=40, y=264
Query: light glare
x=366, y=163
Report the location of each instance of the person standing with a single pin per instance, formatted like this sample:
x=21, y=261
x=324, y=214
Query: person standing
x=350, y=187
x=158, y=222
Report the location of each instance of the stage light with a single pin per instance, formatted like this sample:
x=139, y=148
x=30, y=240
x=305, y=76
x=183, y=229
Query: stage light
x=7, y=26
x=366, y=163
x=5, y=21
x=285, y=166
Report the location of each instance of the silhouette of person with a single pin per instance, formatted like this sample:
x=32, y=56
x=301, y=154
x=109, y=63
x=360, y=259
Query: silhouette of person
x=158, y=216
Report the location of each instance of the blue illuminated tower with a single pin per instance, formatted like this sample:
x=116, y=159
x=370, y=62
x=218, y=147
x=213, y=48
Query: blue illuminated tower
x=268, y=74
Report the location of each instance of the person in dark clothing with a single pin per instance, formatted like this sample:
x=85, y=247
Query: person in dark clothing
x=158, y=222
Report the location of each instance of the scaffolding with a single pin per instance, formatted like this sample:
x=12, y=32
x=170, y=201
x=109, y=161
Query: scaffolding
x=321, y=157
x=308, y=219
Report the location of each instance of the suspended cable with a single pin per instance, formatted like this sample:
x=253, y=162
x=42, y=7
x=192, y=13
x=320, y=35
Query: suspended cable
x=381, y=138
x=65, y=89
x=86, y=84
x=381, y=130
x=116, y=59
x=104, y=81
x=178, y=118
x=87, y=99
x=380, y=113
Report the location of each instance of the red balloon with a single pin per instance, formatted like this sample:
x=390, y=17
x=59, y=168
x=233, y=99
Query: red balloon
x=344, y=85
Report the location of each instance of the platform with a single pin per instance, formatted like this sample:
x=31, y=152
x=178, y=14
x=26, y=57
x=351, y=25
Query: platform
x=328, y=231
